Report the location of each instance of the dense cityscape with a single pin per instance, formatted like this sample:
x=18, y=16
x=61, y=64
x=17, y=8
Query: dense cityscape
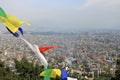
x=87, y=54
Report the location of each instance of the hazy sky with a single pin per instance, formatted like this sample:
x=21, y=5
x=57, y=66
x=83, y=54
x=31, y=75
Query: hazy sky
x=65, y=15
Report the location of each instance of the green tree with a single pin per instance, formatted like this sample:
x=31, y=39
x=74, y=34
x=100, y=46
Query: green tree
x=117, y=72
x=6, y=73
x=27, y=70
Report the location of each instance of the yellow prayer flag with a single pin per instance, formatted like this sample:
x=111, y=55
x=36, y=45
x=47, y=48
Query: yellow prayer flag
x=12, y=23
x=53, y=74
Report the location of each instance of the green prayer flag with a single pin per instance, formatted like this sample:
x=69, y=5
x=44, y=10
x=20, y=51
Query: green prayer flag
x=2, y=13
x=47, y=73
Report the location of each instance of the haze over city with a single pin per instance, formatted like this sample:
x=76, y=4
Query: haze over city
x=65, y=15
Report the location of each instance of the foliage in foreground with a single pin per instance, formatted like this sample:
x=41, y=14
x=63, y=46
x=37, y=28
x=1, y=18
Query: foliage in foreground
x=25, y=70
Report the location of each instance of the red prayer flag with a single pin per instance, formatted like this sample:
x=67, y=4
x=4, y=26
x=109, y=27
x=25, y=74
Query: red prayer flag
x=45, y=48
